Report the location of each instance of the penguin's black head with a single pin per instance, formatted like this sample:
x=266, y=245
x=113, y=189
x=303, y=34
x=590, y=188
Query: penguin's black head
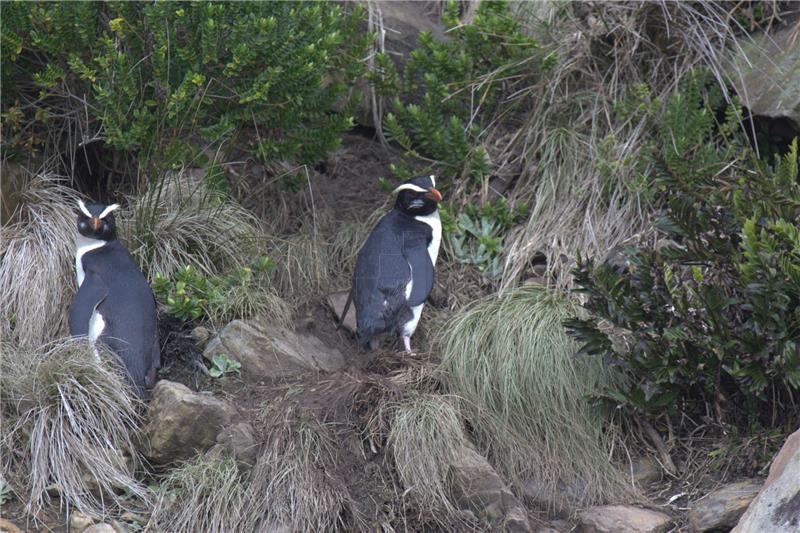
x=96, y=221
x=418, y=196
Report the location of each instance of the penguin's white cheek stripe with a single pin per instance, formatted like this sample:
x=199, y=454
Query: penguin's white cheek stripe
x=83, y=209
x=107, y=210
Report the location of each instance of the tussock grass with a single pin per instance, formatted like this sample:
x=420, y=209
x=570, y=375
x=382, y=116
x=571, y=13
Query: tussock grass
x=37, y=254
x=577, y=154
x=293, y=483
x=527, y=396
x=205, y=494
x=303, y=264
x=425, y=439
x=69, y=419
x=180, y=221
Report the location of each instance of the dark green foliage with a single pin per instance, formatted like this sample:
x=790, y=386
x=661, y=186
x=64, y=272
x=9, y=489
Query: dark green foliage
x=450, y=89
x=714, y=311
x=191, y=295
x=165, y=79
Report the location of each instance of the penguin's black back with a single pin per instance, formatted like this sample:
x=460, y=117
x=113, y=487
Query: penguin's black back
x=114, y=283
x=382, y=272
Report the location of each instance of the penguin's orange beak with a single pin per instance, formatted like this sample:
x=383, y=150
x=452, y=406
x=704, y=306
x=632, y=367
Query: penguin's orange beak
x=434, y=195
x=95, y=223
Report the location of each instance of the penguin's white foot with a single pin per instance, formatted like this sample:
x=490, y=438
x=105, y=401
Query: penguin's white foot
x=407, y=345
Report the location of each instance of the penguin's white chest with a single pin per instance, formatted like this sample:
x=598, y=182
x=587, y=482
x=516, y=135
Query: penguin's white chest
x=83, y=245
x=435, y=223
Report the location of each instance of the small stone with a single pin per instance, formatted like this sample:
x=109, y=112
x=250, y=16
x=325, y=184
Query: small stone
x=645, y=470
x=79, y=522
x=6, y=526
x=201, y=334
x=120, y=527
x=336, y=301
x=722, y=508
x=181, y=423
x=237, y=441
x=100, y=528
x=622, y=519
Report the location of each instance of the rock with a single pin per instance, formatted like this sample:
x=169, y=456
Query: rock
x=99, y=528
x=722, y=508
x=120, y=527
x=769, y=84
x=569, y=496
x=237, y=441
x=622, y=519
x=181, y=423
x=644, y=470
x=776, y=509
x=6, y=526
x=79, y=522
x=201, y=334
x=477, y=487
x=336, y=301
x=265, y=351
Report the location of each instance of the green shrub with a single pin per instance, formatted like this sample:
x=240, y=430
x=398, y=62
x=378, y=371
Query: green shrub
x=246, y=292
x=165, y=79
x=450, y=89
x=713, y=312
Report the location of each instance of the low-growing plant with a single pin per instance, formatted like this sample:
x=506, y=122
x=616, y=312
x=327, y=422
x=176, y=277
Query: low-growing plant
x=475, y=236
x=713, y=312
x=223, y=364
x=244, y=293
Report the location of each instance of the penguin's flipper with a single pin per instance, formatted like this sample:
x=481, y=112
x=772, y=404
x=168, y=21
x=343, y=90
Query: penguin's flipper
x=92, y=292
x=415, y=250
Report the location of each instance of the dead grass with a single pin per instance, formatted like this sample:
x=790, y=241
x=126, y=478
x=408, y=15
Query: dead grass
x=605, y=49
x=69, y=419
x=207, y=493
x=528, y=398
x=37, y=263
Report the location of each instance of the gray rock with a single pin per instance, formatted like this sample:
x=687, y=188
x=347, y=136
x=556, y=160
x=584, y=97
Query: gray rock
x=776, y=509
x=181, y=423
x=265, y=351
x=336, y=301
x=237, y=441
x=478, y=488
x=644, y=470
x=78, y=522
x=622, y=519
x=722, y=508
x=770, y=80
x=100, y=528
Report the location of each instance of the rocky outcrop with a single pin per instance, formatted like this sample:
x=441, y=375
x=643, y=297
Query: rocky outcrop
x=181, y=423
x=722, y=508
x=265, y=351
x=776, y=509
x=477, y=487
x=622, y=519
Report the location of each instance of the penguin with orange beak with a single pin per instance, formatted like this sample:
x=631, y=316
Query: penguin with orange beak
x=396, y=266
x=114, y=304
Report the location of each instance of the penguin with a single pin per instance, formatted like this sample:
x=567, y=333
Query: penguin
x=396, y=265
x=114, y=303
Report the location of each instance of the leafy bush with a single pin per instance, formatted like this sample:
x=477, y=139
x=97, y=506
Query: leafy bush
x=438, y=115
x=714, y=311
x=244, y=293
x=164, y=79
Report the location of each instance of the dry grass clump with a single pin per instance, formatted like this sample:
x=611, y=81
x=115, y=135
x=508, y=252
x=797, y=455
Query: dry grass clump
x=69, y=419
x=207, y=493
x=579, y=156
x=37, y=254
x=292, y=484
x=425, y=439
x=528, y=397
x=180, y=221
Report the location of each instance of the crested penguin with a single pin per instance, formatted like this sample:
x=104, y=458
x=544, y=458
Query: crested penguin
x=114, y=303
x=395, y=267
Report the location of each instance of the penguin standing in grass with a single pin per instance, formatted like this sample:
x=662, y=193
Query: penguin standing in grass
x=395, y=267
x=114, y=303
